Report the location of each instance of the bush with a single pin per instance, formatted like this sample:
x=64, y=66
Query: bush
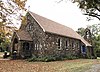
x=59, y=57
x=71, y=57
x=49, y=58
x=46, y=58
x=98, y=53
x=33, y=58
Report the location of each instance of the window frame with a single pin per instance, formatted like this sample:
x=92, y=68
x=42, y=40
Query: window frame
x=59, y=43
x=66, y=45
x=36, y=46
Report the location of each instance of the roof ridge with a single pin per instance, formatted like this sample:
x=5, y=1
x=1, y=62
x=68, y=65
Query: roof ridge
x=54, y=27
x=50, y=19
x=36, y=20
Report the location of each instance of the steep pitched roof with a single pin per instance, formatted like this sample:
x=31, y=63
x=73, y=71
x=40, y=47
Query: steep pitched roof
x=23, y=35
x=56, y=28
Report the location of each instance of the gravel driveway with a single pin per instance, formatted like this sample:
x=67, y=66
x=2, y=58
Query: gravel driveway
x=94, y=68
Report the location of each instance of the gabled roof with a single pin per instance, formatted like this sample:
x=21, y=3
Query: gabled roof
x=23, y=35
x=56, y=28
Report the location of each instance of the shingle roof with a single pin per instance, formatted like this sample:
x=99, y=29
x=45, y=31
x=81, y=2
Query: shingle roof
x=23, y=35
x=56, y=28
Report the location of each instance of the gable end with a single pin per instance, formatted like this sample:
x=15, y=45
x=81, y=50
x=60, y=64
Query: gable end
x=37, y=21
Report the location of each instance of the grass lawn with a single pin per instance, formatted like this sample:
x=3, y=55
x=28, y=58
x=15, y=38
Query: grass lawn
x=78, y=65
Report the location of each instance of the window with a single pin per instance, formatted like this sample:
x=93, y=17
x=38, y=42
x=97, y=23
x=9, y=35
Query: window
x=59, y=43
x=40, y=46
x=66, y=45
x=77, y=45
x=36, y=46
x=83, y=49
x=26, y=46
x=30, y=27
x=72, y=44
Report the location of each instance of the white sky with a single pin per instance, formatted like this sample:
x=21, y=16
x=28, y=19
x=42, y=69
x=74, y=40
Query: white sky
x=65, y=12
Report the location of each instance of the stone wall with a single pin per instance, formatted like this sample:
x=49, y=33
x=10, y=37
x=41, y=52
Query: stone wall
x=51, y=45
x=47, y=43
x=37, y=34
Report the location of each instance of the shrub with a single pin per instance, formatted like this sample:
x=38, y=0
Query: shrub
x=58, y=57
x=98, y=53
x=49, y=58
x=70, y=57
x=33, y=58
x=46, y=58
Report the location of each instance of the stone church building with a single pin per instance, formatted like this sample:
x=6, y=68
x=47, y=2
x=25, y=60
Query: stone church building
x=41, y=37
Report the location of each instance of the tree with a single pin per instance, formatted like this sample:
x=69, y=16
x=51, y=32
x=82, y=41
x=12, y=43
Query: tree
x=89, y=7
x=81, y=31
x=95, y=29
x=10, y=10
x=4, y=41
x=95, y=36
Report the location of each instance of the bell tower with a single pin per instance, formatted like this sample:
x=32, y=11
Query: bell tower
x=88, y=38
x=87, y=35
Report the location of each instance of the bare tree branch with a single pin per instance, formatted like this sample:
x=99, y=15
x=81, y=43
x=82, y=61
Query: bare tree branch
x=93, y=16
x=97, y=9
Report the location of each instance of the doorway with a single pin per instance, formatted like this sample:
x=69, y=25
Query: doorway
x=26, y=49
x=15, y=45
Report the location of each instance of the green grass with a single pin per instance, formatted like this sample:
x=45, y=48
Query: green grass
x=76, y=66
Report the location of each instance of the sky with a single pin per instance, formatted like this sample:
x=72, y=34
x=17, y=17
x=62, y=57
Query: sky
x=65, y=12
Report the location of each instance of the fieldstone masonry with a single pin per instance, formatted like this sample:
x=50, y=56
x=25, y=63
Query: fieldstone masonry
x=43, y=43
